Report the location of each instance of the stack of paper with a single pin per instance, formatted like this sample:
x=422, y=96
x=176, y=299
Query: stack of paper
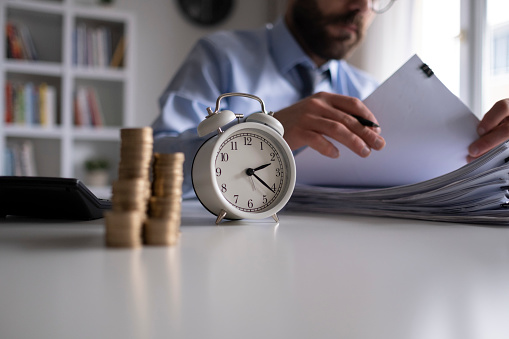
x=422, y=173
x=475, y=193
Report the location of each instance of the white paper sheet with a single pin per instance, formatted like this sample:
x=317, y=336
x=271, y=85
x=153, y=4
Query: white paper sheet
x=427, y=130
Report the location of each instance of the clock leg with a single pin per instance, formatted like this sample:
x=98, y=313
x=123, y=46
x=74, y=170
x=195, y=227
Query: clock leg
x=220, y=217
x=275, y=217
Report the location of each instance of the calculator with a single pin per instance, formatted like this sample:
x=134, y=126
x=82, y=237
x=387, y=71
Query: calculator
x=49, y=198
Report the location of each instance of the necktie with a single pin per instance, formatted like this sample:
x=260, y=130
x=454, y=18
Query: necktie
x=311, y=79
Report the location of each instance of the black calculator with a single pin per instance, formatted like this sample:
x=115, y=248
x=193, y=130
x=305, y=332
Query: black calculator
x=49, y=198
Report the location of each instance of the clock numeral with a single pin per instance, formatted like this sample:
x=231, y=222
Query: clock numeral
x=248, y=141
x=224, y=157
x=234, y=146
x=218, y=171
x=250, y=203
x=274, y=188
x=264, y=199
x=279, y=173
x=261, y=145
x=236, y=196
x=223, y=188
x=273, y=156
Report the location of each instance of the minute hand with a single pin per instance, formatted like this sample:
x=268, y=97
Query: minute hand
x=264, y=183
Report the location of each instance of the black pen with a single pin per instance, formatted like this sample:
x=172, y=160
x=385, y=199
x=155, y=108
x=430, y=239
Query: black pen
x=365, y=122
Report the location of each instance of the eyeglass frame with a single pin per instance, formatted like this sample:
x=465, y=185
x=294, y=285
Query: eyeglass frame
x=383, y=10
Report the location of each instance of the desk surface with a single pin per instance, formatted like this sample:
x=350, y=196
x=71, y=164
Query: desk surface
x=309, y=277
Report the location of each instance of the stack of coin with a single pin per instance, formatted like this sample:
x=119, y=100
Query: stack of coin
x=130, y=193
x=163, y=224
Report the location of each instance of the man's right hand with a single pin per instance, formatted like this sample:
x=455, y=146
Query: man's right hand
x=308, y=121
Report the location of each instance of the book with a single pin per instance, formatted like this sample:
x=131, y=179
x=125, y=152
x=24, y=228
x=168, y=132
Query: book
x=8, y=103
x=94, y=107
x=15, y=49
x=425, y=175
x=19, y=159
x=87, y=108
x=118, y=54
x=92, y=45
x=83, y=108
x=29, y=90
x=19, y=42
x=50, y=106
x=30, y=104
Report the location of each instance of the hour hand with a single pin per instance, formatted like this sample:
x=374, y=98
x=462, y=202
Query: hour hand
x=261, y=167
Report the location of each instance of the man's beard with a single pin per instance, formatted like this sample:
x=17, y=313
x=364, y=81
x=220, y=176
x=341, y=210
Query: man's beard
x=310, y=24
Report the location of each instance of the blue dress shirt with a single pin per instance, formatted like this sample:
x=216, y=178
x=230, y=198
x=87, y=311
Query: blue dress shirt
x=262, y=62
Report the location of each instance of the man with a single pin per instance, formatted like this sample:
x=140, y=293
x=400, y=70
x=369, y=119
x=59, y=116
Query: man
x=284, y=64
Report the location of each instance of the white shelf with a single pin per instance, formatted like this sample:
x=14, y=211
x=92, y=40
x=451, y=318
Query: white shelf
x=97, y=133
x=20, y=131
x=64, y=147
x=34, y=67
x=51, y=7
x=99, y=73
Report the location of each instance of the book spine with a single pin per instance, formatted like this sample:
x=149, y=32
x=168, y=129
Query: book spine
x=8, y=103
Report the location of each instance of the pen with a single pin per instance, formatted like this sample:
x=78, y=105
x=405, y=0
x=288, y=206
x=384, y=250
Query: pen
x=365, y=122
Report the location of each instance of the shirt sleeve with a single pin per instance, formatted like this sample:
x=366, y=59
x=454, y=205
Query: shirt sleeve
x=183, y=105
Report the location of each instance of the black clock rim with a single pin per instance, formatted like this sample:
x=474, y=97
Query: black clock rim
x=223, y=8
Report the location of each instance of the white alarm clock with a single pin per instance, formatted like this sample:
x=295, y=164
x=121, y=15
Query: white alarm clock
x=246, y=171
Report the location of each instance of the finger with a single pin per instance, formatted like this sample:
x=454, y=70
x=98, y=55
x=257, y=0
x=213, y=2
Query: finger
x=330, y=128
x=320, y=144
x=489, y=140
x=370, y=136
x=495, y=116
x=344, y=135
x=351, y=105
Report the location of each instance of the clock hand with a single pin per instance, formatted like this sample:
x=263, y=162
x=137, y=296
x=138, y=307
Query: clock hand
x=252, y=183
x=261, y=167
x=251, y=172
x=263, y=182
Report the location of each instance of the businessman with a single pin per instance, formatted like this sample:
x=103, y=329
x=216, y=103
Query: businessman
x=297, y=67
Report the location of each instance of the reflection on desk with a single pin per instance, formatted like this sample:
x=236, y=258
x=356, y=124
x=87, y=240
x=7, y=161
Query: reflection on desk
x=311, y=276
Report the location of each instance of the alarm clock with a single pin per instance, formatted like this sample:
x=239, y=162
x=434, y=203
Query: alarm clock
x=246, y=171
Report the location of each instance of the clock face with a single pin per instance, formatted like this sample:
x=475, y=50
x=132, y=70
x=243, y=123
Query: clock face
x=252, y=170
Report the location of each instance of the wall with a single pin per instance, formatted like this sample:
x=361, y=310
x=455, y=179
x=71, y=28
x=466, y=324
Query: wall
x=388, y=44
x=164, y=38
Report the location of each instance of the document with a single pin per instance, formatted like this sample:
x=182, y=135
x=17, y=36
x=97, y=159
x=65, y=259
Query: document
x=475, y=193
x=422, y=173
x=427, y=130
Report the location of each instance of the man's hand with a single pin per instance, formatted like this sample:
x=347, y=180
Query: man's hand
x=323, y=114
x=493, y=130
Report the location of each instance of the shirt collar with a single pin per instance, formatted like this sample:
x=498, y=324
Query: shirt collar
x=285, y=50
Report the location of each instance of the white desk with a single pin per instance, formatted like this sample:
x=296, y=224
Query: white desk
x=310, y=277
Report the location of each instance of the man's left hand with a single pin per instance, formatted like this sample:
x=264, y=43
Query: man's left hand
x=493, y=130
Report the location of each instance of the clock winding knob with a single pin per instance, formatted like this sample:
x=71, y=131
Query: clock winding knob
x=215, y=121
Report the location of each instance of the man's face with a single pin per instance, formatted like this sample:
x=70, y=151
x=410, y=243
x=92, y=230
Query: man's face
x=330, y=29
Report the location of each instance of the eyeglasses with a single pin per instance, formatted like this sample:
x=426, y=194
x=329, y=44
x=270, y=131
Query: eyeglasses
x=381, y=6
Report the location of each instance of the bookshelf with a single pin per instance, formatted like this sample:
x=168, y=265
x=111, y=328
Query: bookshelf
x=66, y=48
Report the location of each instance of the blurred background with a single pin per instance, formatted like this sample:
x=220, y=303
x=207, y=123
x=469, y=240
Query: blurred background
x=465, y=42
